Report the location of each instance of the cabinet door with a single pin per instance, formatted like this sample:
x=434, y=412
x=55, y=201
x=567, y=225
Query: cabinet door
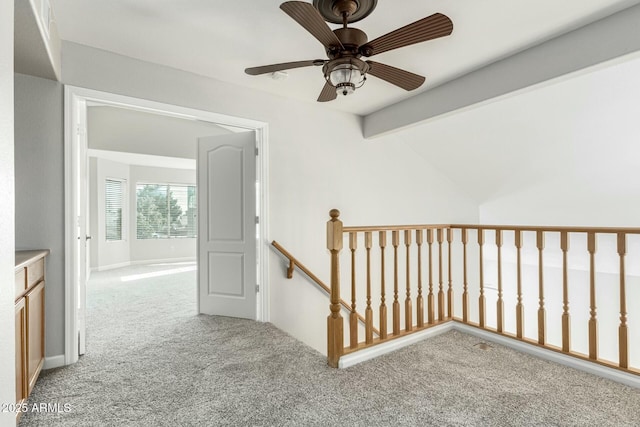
x=21, y=356
x=35, y=333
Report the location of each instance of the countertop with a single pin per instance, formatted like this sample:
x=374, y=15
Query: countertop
x=24, y=258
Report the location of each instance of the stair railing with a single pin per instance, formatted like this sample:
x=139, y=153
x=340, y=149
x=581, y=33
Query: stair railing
x=429, y=298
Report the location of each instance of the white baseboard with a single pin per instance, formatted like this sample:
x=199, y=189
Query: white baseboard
x=113, y=266
x=141, y=262
x=163, y=260
x=53, y=362
x=553, y=356
x=393, y=345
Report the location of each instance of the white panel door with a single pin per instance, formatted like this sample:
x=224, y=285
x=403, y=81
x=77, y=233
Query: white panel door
x=227, y=225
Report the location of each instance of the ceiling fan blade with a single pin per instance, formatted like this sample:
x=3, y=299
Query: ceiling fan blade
x=328, y=93
x=309, y=17
x=429, y=28
x=283, y=66
x=396, y=76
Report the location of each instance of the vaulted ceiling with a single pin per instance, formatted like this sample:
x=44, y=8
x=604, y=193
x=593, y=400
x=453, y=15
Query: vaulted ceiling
x=220, y=39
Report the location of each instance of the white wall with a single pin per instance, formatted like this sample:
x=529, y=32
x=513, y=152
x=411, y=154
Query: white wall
x=113, y=254
x=39, y=183
x=588, y=171
x=318, y=160
x=563, y=153
x=7, y=215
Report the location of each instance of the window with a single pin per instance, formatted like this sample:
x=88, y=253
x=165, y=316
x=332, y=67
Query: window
x=114, y=196
x=165, y=211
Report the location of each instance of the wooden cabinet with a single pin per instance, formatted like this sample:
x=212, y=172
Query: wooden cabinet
x=29, y=288
x=21, y=350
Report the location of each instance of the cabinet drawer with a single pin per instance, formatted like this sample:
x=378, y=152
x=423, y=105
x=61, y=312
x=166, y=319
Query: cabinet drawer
x=21, y=282
x=35, y=272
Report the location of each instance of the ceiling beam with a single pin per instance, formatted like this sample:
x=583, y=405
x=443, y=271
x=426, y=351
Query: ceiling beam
x=603, y=40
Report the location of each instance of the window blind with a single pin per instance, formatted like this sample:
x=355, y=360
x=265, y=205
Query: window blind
x=114, y=194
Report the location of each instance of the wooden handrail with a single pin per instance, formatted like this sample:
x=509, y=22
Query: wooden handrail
x=604, y=230
x=357, y=229
x=294, y=261
x=569, y=229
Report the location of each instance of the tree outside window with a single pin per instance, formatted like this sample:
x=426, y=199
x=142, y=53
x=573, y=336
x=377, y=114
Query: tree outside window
x=165, y=211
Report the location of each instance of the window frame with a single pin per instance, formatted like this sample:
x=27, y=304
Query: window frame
x=169, y=185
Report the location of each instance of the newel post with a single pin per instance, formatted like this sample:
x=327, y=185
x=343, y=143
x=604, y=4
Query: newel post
x=335, y=324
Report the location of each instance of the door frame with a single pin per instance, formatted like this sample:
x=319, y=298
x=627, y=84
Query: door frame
x=76, y=101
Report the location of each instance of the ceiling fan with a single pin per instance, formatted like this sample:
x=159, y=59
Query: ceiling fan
x=345, y=71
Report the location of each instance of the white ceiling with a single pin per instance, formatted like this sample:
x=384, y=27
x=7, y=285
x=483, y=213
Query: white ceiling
x=123, y=130
x=220, y=39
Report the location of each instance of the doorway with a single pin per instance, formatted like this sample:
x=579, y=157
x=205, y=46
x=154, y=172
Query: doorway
x=77, y=101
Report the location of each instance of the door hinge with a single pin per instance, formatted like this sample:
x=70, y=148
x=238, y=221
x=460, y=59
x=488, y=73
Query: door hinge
x=257, y=288
x=257, y=220
x=257, y=151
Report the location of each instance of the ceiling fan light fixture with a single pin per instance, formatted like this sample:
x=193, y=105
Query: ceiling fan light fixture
x=347, y=76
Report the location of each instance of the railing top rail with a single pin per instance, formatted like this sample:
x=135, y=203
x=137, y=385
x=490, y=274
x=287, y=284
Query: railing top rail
x=568, y=229
x=352, y=229
x=572, y=229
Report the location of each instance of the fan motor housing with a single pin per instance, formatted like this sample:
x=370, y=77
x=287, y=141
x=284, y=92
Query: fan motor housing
x=351, y=37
